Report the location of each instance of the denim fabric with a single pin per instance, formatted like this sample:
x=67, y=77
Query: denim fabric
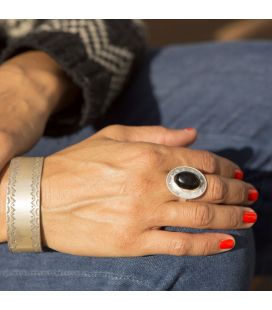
x=224, y=90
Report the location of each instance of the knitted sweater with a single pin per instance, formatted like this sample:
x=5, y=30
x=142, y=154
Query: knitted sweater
x=98, y=55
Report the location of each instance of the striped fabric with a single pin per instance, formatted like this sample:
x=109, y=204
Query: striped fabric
x=112, y=46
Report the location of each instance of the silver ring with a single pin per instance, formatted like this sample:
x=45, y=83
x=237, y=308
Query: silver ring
x=186, y=182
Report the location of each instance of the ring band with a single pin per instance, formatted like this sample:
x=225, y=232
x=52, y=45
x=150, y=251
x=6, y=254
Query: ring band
x=23, y=204
x=186, y=182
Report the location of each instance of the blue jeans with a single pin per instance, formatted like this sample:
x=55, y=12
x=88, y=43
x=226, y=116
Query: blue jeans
x=224, y=90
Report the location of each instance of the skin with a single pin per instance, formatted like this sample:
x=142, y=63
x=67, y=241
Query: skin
x=106, y=196
x=33, y=87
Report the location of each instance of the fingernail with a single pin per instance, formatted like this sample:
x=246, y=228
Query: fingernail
x=253, y=195
x=239, y=174
x=189, y=128
x=226, y=244
x=249, y=217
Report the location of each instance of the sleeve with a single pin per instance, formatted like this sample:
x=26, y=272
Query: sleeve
x=98, y=55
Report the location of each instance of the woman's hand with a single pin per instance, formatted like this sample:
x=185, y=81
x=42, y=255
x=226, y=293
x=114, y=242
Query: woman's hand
x=106, y=196
x=32, y=87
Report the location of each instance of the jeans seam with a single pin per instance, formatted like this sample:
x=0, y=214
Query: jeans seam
x=108, y=275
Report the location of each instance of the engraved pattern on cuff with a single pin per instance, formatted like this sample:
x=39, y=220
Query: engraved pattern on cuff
x=23, y=204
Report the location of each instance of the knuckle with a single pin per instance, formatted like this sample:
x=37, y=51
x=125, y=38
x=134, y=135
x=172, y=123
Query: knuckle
x=151, y=156
x=112, y=130
x=240, y=195
x=234, y=219
x=205, y=247
x=131, y=209
x=141, y=183
x=135, y=215
x=209, y=162
x=218, y=189
x=138, y=217
x=160, y=129
x=124, y=241
x=239, y=192
x=178, y=247
x=203, y=215
x=243, y=194
x=162, y=134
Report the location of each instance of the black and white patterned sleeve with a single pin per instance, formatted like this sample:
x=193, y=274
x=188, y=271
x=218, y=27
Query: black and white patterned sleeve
x=98, y=55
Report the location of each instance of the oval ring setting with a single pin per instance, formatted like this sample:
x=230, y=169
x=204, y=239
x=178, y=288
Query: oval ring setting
x=186, y=182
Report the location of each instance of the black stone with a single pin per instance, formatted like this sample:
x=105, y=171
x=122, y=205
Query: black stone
x=187, y=180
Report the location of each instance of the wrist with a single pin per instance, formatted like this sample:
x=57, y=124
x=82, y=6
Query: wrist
x=4, y=174
x=3, y=193
x=43, y=79
x=3, y=188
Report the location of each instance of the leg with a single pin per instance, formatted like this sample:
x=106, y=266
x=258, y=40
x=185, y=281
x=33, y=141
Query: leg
x=56, y=271
x=158, y=94
x=224, y=91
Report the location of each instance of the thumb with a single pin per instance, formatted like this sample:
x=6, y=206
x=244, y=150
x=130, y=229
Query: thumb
x=152, y=134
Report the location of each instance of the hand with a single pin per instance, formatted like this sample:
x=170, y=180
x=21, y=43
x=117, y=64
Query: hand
x=32, y=87
x=106, y=196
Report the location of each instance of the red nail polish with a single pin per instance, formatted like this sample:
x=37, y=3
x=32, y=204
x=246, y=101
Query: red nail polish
x=253, y=195
x=249, y=217
x=190, y=128
x=226, y=244
x=239, y=174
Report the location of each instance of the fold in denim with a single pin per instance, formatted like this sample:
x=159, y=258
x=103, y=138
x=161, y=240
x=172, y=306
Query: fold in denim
x=224, y=90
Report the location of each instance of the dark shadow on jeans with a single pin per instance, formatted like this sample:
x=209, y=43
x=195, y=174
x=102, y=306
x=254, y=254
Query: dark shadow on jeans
x=127, y=109
x=263, y=228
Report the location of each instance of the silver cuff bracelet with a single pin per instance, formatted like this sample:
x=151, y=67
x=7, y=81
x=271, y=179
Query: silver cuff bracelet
x=23, y=204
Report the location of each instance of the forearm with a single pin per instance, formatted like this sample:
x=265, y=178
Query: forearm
x=100, y=73
x=39, y=81
x=44, y=79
